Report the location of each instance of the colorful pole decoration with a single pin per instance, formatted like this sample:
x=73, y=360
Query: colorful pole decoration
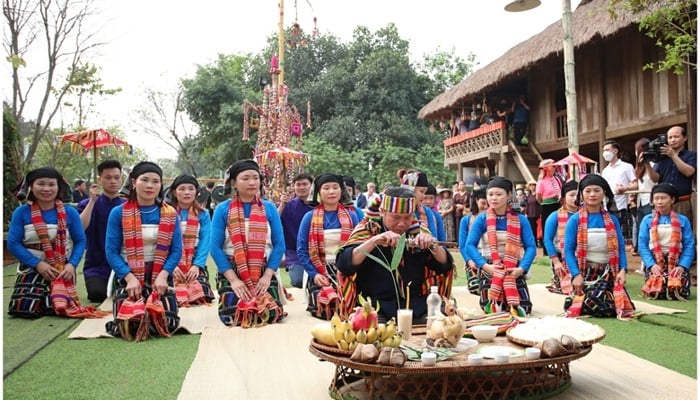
x=280, y=127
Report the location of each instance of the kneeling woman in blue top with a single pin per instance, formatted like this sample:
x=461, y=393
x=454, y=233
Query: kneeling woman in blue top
x=247, y=245
x=507, y=250
x=321, y=232
x=667, y=247
x=595, y=254
x=143, y=246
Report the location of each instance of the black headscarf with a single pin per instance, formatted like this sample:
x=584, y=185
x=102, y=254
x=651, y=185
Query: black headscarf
x=138, y=170
x=568, y=186
x=500, y=182
x=597, y=180
x=431, y=190
x=665, y=187
x=325, y=178
x=24, y=189
x=235, y=169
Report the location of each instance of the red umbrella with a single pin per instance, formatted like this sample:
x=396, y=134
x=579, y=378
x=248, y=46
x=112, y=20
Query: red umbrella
x=92, y=139
x=575, y=162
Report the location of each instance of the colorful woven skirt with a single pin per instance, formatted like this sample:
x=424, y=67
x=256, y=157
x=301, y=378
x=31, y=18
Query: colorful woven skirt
x=598, y=285
x=323, y=302
x=31, y=295
x=520, y=284
x=230, y=315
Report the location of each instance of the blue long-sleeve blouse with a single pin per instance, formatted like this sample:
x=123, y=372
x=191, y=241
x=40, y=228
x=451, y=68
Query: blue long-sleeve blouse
x=219, y=235
x=687, y=240
x=330, y=221
x=551, y=229
x=201, y=252
x=595, y=221
x=114, y=243
x=22, y=217
x=462, y=236
x=478, y=229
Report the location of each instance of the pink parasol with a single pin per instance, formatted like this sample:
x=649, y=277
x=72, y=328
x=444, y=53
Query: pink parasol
x=576, y=166
x=92, y=139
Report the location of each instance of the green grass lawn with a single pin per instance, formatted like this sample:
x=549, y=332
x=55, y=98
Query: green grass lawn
x=41, y=363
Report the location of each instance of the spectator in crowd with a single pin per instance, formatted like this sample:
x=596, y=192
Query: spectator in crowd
x=547, y=191
x=644, y=184
x=503, y=112
x=447, y=212
x=80, y=191
x=621, y=178
x=667, y=247
x=291, y=213
x=371, y=193
x=505, y=254
x=533, y=209
x=94, y=213
x=521, y=117
x=595, y=254
x=460, y=199
x=678, y=168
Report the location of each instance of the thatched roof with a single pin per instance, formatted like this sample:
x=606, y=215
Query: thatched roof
x=591, y=20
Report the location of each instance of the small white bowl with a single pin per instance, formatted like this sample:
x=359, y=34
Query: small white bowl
x=484, y=333
x=532, y=353
x=475, y=359
x=501, y=357
x=428, y=358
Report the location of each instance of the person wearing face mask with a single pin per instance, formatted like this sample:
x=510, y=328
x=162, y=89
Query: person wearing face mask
x=621, y=178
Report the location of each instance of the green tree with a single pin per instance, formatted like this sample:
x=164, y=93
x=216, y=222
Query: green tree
x=673, y=26
x=12, y=168
x=444, y=69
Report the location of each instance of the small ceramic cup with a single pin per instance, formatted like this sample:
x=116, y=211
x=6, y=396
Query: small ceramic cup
x=475, y=359
x=501, y=357
x=428, y=358
x=532, y=353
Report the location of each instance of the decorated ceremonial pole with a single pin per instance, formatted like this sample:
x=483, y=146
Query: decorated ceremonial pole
x=278, y=121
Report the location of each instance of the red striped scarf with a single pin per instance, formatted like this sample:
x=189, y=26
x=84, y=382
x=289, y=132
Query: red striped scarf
x=64, y=296
x=150, y=310
x=654, y=283
x=189, y=292
x=317, y=252
x=582, y=240
x=564, y=274
x=248, y=250
x=502, y=284
x=674, y=247
x=623, y=304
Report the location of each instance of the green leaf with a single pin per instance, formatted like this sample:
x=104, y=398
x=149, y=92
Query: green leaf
x=398, y=252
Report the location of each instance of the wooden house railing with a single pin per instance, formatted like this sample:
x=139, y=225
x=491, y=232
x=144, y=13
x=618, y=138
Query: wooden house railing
x=476, y=143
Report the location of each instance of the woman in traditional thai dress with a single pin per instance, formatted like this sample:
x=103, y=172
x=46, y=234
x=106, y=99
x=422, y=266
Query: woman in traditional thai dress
x=478, y=204
x=667, y=247
x=595, y=254
x=321, y=232
x=247, y=245
x=191, y=277
x=447, y=213
x=508, y=249
x=143, y=246
x=547, y=191
x=553, y=240
x=48, y=240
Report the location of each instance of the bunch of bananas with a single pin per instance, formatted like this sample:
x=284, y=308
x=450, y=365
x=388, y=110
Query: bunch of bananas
x=340, y=334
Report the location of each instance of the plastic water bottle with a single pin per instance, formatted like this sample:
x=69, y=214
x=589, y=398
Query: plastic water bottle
x=434, y=301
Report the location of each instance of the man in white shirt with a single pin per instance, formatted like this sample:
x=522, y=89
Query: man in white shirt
x=621, y=178
x=371, y=193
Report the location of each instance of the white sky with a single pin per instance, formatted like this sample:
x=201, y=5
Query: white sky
x=154, y=43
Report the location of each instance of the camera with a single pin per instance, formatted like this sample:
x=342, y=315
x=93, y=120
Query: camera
x=652, y=151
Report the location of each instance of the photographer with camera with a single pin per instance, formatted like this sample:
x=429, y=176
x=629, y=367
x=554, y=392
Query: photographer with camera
x=677, y=166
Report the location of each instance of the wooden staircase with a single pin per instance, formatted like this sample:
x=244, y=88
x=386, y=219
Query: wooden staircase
x=527, y=159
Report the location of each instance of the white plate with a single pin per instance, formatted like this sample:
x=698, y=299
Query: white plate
x=465, y=344
x=491, y=351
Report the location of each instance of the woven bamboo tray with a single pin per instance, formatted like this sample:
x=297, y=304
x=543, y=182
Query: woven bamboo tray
x=528, y=342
